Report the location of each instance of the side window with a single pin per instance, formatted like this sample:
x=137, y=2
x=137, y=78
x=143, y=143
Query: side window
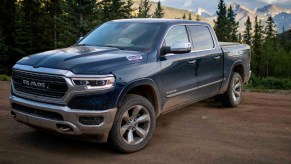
x=176, y=34
x=201, y=37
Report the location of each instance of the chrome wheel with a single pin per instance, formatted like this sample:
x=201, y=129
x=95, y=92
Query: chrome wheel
x=236, y=89
x=135, y=124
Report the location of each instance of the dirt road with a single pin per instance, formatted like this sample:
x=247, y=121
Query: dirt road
x=258, y=131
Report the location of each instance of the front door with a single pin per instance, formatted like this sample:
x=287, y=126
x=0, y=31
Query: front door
x=178, y=71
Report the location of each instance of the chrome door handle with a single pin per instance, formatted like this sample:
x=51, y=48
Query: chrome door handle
x=192, y=62
x=217, y=57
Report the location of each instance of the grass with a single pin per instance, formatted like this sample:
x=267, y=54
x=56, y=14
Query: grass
x=268, y=84
x=5, y=78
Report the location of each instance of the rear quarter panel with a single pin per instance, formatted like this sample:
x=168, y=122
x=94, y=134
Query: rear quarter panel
x=237, y=54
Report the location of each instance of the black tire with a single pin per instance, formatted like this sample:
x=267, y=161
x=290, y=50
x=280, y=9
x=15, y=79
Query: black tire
x=232, y=97
x=122, y=139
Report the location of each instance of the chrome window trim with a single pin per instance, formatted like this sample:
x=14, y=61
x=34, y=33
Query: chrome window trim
x=211, y=33
x=214, y=45
x=192, y=89
x=67, y=75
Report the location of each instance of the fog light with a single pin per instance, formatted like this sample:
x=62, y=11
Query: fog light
x=91, y=120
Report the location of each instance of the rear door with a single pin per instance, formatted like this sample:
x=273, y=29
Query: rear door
x=177, y=71
x=209, y=61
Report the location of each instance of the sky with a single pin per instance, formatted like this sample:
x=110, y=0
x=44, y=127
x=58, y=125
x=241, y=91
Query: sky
x=211, y=5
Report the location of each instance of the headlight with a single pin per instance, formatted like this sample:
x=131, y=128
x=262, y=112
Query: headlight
x=95, y=83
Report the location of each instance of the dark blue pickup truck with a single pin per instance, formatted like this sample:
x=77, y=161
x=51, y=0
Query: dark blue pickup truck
x=114, y=83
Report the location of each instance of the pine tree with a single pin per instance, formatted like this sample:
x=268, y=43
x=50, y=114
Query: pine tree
x=128, y=9
x=247, y=34
x=289, y=33
x=159, y=12
x=3, y=54
x=257, y=46
x=76, y=20
x=117, y=10
x=198, y=17
x=7, y=24
x=184, y=16
x=144, y=9
x=288, y=45
x=55, y=7
x=24, y=28
x=270, y=29
x=221, y=23
x=239, y=38
x=232, y=26
x=190, y=16
x=270, y=44
x=283, y=38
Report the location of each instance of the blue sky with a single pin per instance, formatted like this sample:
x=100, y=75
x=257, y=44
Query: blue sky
x=211, y=5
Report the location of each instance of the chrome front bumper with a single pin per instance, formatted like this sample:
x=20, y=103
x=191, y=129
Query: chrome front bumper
x=70, y=124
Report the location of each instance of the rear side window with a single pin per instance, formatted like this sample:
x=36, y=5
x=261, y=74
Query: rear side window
x=201, y=37
x=176, y=34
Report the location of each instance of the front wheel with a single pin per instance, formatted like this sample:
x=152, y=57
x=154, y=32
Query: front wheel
x=232, y=97
x=134, y=124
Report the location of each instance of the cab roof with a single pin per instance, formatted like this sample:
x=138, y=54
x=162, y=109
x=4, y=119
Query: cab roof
x=159, y=20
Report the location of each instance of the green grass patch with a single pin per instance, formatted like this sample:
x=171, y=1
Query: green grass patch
x=5, y=78
x=265, y=84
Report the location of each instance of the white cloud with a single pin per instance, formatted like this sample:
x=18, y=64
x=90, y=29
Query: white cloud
x=158, y=0
x=275, y=1
x=188, y=3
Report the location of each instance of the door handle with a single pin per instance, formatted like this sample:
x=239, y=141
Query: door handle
x=192, y=62
x=217, y=57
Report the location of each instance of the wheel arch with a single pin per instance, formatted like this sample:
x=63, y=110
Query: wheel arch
x=238, y=67
x=143, y=87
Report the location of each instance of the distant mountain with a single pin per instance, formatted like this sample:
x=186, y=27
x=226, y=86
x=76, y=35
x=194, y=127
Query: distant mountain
x=271, y=10
x=170, y=12
x=242, y=14
x=282, y=17
x=203, y=13
x=283, y=20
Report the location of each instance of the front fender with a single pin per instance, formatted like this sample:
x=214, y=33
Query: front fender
x=140, y=82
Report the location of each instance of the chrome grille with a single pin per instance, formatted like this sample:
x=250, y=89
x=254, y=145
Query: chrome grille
x=52, y=86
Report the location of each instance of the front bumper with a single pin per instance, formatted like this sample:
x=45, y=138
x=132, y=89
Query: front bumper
x=70, y=123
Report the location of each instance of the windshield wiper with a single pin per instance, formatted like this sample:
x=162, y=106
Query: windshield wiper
x=84, y=45
x=120, y=48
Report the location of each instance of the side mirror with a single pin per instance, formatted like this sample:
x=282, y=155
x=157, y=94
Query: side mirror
x=79, y=40
x=177, y=48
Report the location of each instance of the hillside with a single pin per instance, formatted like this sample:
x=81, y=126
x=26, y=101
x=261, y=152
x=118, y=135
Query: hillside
x=170, y=12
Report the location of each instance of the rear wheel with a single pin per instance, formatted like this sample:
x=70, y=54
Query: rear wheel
x=232, y=97
x=134, y=124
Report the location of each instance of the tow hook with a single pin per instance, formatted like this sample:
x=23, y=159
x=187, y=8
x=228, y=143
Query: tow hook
x=64, y=128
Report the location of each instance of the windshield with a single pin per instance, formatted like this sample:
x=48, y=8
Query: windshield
x=123, y=35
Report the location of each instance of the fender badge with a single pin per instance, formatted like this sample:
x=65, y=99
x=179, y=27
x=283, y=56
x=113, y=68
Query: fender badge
x=134, y=57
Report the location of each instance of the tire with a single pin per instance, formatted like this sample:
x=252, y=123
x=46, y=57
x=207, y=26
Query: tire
x=134, y=124
x=232, y=97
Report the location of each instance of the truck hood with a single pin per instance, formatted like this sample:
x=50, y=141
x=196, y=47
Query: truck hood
x=84, y=59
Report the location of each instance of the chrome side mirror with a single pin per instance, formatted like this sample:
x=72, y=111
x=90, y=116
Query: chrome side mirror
x=180, y=47
x=176, y=48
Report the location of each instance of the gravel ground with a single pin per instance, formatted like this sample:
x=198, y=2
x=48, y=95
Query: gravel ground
x=258, y=131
